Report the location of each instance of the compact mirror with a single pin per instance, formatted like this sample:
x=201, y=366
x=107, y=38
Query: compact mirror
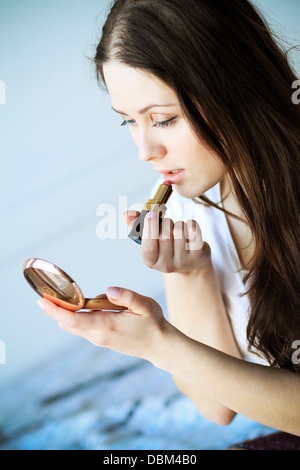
x=53, y=284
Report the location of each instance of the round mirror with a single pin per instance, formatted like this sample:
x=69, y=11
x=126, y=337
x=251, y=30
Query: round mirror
x=53, y=284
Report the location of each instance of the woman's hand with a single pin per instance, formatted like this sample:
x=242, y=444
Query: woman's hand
x=175, y=247
x=137, y=331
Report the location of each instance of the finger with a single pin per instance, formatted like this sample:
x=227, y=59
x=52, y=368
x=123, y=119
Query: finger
x=150, y=236
x=166, y=229
x=194, y=236
x=166, y=244
x=179, y=235
x=135, y=302
x=62, y=316
x=130, y=217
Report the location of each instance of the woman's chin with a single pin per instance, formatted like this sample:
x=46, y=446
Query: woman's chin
x=188, y=191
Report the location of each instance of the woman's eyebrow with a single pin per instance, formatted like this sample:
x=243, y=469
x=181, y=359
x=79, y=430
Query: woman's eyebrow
x=144, y=110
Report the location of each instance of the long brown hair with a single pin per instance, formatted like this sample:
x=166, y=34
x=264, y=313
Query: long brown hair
x=234, y=84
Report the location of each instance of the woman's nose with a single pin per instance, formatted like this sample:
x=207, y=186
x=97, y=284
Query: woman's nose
x=150, y=148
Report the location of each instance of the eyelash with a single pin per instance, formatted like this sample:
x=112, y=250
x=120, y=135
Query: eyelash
x=162, y=124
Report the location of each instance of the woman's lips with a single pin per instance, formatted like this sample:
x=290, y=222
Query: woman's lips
x=174, y=178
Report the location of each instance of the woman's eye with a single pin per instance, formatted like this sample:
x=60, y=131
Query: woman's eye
x=131, y=121
x=167, y=123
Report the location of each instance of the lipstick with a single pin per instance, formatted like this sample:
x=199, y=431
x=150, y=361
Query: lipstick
x=156, y=204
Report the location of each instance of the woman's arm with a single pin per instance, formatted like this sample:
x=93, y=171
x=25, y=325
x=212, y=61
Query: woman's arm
x=264, y=394
x=195, y=304
x=203, y=359
x=196, y=308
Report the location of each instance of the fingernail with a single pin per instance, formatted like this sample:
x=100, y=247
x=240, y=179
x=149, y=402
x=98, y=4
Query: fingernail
x=41, y=304
x=151, y=214
x=113, y=292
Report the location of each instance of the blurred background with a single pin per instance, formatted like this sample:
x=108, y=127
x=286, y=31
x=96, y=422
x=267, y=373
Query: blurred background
x=64, y=159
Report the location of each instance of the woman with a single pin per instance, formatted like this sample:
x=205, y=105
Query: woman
x=206, y=93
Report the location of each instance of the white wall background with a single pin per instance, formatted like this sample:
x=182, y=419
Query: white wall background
x=63, y=154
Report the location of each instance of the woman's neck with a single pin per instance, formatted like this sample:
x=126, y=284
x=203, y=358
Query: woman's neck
x=239, y=229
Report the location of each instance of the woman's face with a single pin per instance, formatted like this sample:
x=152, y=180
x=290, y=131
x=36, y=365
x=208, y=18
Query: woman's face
x=158, y=127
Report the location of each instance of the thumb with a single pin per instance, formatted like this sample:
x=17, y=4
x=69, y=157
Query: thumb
x=132, y=300
x=130, y=216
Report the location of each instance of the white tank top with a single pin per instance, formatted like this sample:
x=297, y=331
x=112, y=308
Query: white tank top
x=216, y=233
